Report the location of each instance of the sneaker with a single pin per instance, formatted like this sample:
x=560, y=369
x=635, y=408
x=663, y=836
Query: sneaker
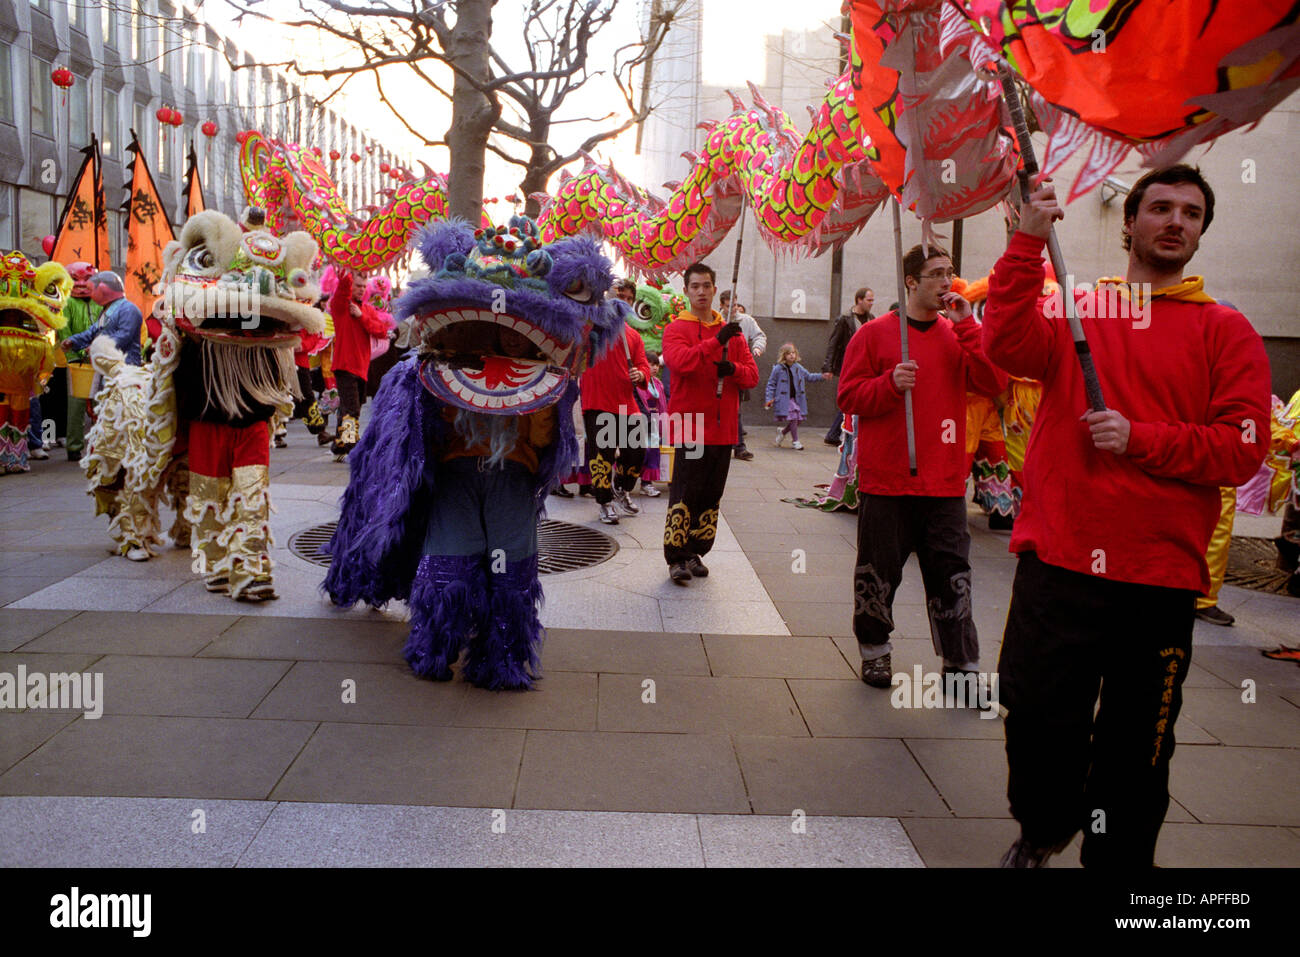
x=879, y=672
x=280, y=443
x=608, y=514
x=39, y=454
x=744, y=455
x=138, y=554
x=625, y=503
x=797, y=446
x=217, y=584
x=679, y=573
x=696, y=567
x=776, y=442
x=1215, y=616
x=834, y=443
x=1024, y=854
x=649, y=491
x=324, y=438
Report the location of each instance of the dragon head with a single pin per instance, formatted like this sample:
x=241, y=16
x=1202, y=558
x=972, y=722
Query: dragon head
x=240, y=287
x=505, y=322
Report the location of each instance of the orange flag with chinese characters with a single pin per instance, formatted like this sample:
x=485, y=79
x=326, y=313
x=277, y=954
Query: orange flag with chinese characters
x=76, y=239
x=147, y=233
x=193, y=188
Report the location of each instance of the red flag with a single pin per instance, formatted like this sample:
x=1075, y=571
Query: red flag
x=147, y=233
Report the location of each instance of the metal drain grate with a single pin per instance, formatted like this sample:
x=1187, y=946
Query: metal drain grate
x=1252, y=563
x=561, y=546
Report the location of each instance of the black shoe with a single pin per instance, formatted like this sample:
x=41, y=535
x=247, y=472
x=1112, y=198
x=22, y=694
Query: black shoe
x=879, y=672
x=584, y=490
x=679, y=573
x=834, y=442
x=561, y=492
x=1215, y=616
x=1024, y=854
x=744, y=455
x=697, y=567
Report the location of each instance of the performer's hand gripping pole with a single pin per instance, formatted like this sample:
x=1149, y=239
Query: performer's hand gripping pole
x=1029, y=169
x=902, y=333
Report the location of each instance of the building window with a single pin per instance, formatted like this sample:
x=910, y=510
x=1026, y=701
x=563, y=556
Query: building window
x=114, y=220
x=109, y=136
x=6, y=85
x=76, y=13
x=109, y=21
x=6, y=217
x=137, y=34
x=41, y=5
x=164, y=148
x=42, y=105
x=138, y=122
x=35, y=222
x=79, y=113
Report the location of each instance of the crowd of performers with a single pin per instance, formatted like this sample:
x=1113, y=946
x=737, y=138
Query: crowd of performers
x=476, y=422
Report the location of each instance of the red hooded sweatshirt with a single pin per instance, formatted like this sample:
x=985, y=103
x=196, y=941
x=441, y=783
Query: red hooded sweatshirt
x=352, y=335
x=949, y=363
x=607, y=386
x=690, y=350
x=1192, y=378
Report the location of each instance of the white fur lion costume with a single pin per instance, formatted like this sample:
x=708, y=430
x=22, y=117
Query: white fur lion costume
x=192, y=425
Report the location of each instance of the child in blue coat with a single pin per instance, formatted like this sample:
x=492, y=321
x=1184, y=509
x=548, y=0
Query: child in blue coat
x=787, y=389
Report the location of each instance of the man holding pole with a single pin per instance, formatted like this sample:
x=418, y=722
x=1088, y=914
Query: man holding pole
x=901, y=510
x=1118, y=509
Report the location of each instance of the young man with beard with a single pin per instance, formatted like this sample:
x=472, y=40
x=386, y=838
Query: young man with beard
x=711, y=363
x=900, y=513
x=1118, y=509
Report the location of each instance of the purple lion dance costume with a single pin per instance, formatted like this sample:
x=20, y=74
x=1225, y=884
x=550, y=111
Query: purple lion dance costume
x=466, y=438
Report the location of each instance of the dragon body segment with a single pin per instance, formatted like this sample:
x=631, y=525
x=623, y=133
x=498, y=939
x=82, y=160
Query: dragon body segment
x=296, y=191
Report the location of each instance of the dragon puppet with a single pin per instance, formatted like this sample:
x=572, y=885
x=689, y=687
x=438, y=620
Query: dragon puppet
x=290, y=184
x=919, y=114
x=467, y=436
x=192, y=426
x=31, y=312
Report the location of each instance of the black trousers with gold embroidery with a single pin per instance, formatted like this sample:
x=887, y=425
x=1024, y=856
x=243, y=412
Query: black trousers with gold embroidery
x=610, y=464
x=693, y=498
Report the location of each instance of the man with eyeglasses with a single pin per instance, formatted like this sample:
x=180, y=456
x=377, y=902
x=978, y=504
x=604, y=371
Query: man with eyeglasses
x=1118, y=510
x=900, y=513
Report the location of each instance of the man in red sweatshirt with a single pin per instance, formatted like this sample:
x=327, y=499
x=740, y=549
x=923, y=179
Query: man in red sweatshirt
x=710, y=363
x=1118, y=509
x=355, y=322
x=899, y=513
x=616, y=433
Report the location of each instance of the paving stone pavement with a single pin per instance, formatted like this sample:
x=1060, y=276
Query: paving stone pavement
x=720, y=725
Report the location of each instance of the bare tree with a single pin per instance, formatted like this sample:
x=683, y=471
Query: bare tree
x=511, y=110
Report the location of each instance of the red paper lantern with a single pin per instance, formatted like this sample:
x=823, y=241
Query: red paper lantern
x=209, y=129
x=62, y=77
x=384, y=167
x=177, y=119
x=370, y=149
x=335, y=154
x=164, y=115
x=356, y=157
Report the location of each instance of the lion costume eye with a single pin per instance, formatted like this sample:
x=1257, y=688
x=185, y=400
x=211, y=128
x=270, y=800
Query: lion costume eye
x=578, y=291
x=200, y=259
x=643, y=311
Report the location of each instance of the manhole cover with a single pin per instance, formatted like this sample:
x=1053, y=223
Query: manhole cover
x=1252, y=563
x=561, y=546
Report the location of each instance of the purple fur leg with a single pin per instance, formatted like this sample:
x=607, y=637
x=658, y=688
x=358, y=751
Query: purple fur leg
x=448, y=602
x=507, y=653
